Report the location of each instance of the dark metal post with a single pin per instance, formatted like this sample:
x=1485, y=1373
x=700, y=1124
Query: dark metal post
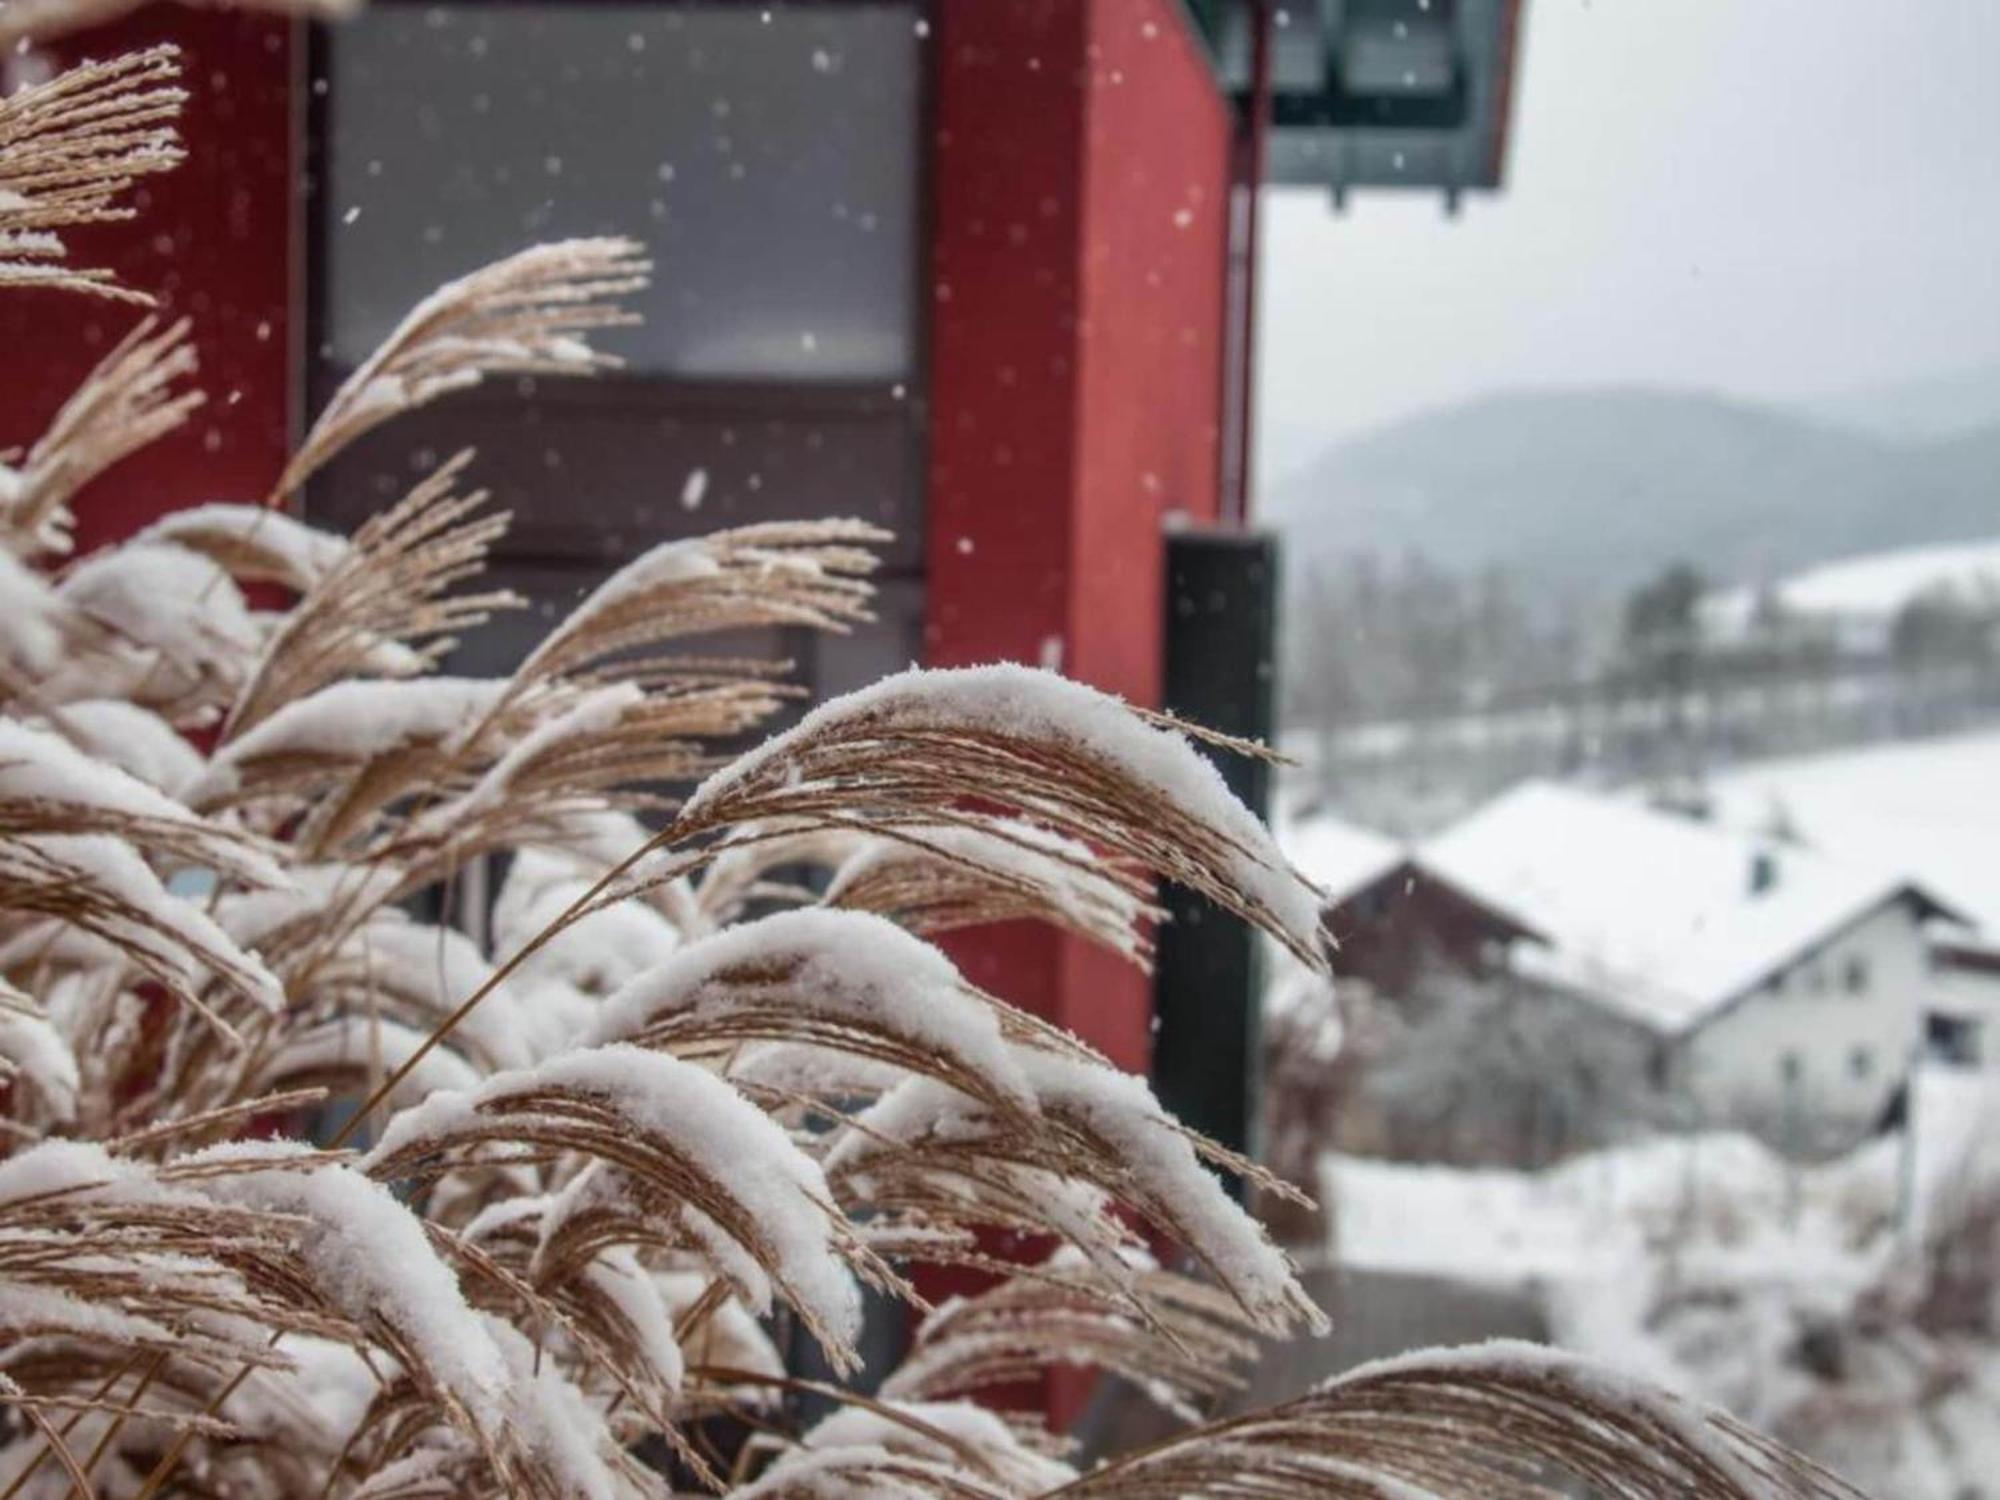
x=1220, y=671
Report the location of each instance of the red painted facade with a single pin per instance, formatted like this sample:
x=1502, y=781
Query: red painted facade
x=213, y=240
x=1080, y=184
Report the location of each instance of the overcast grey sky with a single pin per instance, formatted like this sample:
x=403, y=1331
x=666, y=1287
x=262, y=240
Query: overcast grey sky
x=1775, y=198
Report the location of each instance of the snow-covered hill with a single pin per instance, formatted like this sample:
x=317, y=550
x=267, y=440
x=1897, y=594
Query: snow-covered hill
x=1870, y=588
x=1584, y=493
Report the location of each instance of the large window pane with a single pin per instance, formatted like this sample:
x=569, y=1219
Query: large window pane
x=767, y=156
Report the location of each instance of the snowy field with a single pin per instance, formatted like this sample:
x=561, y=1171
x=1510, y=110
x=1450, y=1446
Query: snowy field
x=1793, y=1296
x=1595, y=1218
x=1723, y=1196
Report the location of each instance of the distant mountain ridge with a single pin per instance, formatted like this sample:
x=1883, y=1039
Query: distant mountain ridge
x=1585, y=492
x=1936, y=406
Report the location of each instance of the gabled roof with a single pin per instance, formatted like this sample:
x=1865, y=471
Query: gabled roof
x=1652, y=914
x=1344, y=860
x=1341, y=858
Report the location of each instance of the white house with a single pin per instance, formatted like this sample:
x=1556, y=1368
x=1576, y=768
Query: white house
x=1923, y=808
x=1964, y=1021
x=1743, y=982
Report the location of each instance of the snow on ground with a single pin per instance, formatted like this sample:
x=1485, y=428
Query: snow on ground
x=1714, y=1227
x=1790, y=1296
x=1927, y=808
x=1957, y=1142
x=1725, y=1196
x=1597, y=1217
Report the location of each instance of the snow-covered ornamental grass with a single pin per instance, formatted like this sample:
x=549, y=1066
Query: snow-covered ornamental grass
x=686, y=1104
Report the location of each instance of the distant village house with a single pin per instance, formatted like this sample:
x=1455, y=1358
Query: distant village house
x=1669, y=973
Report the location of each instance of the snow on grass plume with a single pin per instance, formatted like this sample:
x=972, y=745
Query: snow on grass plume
x=183, y=624
x=35, y=1052
x=1103, y=1127
x=861, y=976
x=181, y=944
x=910, y=1450
x=373, y=1261
x=1067, y=755
x=135, y=740
x=595, y=954
x=253, y=542
x=365, y=1046
x=619, y=1276
x=689, y=1114
x=51, y=779
x=353, y=721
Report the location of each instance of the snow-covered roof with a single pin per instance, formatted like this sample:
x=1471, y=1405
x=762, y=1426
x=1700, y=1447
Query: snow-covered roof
x=1924, y=808
x=1650, y=913
x=1339, y=857
x=1344, y=859
x=1875, y=584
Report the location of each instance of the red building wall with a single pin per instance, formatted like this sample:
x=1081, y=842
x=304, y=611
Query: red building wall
x=1156, y=187
x=213, y=240
x=1080, y=188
